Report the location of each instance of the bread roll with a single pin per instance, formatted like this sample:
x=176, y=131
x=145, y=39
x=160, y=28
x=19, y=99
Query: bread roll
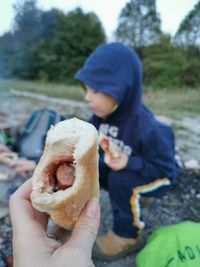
x=74, y=143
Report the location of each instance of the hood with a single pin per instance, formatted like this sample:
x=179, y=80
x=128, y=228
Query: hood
x=115, y=69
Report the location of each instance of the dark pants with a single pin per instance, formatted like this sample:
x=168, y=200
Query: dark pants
x=125, y=189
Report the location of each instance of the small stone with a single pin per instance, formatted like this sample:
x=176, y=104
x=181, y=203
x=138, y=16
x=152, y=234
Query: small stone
x=4, y=211
x=193, y=191
x=187, y=197
x=3, y=176
x=192, y=164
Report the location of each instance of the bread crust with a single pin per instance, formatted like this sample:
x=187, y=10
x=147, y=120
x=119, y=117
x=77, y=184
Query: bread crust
x=65, y=206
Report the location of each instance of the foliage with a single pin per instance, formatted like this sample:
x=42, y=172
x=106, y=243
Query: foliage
x=51, y=45
x=16, y=59
x=48, y=45
x=139, y=23
x=6, y=55
x=190, y=74
x=74, y=37
x=163, y=64
x=168, y=66
x=188, y=33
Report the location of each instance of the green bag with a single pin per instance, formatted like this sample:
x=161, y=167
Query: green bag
x=172, y=246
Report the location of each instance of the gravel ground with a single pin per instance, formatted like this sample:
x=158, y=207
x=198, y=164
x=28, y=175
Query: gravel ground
x=19, y=106
x=181, y=203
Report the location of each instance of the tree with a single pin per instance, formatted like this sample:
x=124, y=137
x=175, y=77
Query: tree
x=74, y=36
x=190, y=75
x=164, y=64
x=188, y=33
x=188, y=38
x=6, y=55
x=48, y=45
x=139, y=24
x=27, y=30
x=27, y=20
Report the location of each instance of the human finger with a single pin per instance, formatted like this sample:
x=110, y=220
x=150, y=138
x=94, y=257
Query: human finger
x=23, y=215
x=19, y=168
x=24, y=167
x=57, y=233
x=86, y=228
x=4, y=148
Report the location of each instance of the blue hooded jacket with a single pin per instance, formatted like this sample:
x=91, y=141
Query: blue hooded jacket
x=116, y=70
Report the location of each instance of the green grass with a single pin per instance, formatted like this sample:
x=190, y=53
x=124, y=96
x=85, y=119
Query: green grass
x=173, y=103
x=162, y=102
x=49, y=89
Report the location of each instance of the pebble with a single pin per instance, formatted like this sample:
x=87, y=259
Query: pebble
x=187, y=196
x=4, y=211
x=193, y=191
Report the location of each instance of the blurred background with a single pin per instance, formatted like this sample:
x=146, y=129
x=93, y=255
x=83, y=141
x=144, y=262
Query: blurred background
x=44, y=42
x=48, y=41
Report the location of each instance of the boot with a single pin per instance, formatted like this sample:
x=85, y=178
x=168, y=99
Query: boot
x=112, y=247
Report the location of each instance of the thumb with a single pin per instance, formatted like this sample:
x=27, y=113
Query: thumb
x=86, y=228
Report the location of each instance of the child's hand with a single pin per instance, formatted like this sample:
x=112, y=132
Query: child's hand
x=4, y=148
x=117, y=164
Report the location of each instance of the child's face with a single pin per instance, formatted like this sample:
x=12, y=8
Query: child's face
x=100, y=104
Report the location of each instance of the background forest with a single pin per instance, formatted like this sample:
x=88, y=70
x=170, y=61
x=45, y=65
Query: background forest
x=52, y=45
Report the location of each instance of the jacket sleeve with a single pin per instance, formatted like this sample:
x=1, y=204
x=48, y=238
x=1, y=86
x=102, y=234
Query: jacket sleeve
x=157, y=156
x=94, y=121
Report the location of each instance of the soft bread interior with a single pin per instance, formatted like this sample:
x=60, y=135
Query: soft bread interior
x=70, y=140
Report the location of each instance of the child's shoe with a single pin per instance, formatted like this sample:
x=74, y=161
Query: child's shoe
x=112, y=247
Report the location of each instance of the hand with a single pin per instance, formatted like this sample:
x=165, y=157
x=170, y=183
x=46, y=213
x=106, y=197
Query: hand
x=4, y=148
x=117, y=164
x=23, y=165
x=31, y=245
x=8, y=157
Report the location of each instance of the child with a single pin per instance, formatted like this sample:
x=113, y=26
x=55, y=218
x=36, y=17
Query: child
x=112, y=78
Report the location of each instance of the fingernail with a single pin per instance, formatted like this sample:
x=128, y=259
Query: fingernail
x=92, y=208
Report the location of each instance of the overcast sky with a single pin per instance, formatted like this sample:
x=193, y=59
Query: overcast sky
x=171, y=11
